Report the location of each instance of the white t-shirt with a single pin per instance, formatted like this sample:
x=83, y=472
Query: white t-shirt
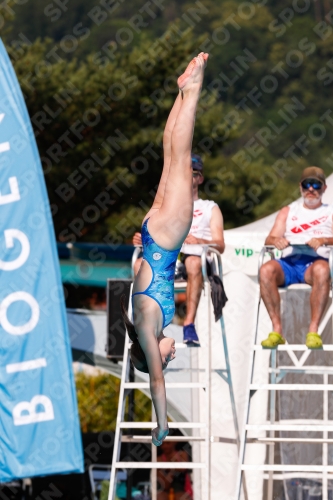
x=303, y=224
x=200, y=228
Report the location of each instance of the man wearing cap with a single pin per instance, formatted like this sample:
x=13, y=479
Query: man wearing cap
x=207, y=227
x=309, y=223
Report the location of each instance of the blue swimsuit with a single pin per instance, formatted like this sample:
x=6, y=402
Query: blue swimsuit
x=162, y=263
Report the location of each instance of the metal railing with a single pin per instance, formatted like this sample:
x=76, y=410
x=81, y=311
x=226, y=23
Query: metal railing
x=211, y=253
x=276, y=375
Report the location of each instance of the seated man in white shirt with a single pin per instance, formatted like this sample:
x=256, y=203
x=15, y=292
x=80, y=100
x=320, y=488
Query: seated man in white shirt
x=307, y=223
x=207, y=227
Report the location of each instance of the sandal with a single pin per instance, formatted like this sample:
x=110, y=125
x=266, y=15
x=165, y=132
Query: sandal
x=313, y=341
x=273, y=340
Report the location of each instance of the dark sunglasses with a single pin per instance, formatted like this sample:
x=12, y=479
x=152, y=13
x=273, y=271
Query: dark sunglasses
x=314, y=184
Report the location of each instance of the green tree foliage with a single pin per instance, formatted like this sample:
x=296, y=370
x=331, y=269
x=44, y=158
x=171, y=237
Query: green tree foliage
x=98, y=402
x=100, y=88
x=98, y=127
x=59, y=19
x=7, y=17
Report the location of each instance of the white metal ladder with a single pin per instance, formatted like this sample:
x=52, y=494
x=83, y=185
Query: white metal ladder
x=203, y=427
x=276, y=374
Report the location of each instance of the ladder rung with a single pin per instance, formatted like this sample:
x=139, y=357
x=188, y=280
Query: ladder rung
x=289, y=440
x=290, y=427
x=180, y=284
x=292, y=387
x=178, y=345
x=288, y=468
x=218, y=439
x=168, y=385
x=147, y=439
x=313, y=370
x=267, y=440
x=160, y=465
x=283, y=476
x=193, y=370
x=294, y=347
x=152, y=425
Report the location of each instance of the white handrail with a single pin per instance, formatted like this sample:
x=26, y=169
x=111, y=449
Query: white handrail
x=135, y=256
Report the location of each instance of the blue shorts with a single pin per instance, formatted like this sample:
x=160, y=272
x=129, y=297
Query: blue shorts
x=294, y=267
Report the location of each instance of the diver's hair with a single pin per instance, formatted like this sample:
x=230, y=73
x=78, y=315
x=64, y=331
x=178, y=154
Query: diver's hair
x=137, y=355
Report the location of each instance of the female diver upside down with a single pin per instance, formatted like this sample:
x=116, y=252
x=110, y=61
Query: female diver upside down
x=164, y=229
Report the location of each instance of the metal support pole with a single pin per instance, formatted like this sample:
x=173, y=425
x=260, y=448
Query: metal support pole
x=232, y=397
x=208, y=396
x=130, y=417
x=272, y=421
x=325, y=394
x=120, y=418
x=127, y=384
x=325, y=445
x=317, y=471
x=231, y=392
x=241, y=475
x=330, y=263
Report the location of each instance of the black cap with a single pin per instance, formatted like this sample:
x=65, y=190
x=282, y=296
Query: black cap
x=197, y=163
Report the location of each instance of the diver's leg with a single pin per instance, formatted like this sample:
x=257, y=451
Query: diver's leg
x=143, y=278
x=167, y=135
x=166, y=155
x=171, y=223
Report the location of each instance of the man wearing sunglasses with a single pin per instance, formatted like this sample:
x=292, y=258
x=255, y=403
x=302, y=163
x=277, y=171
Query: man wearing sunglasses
x=308, y=223
x=207, y=227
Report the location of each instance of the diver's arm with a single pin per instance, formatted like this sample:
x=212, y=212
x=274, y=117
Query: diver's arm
x=157, y=387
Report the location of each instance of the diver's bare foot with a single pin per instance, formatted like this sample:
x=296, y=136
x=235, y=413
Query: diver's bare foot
x=193, y=74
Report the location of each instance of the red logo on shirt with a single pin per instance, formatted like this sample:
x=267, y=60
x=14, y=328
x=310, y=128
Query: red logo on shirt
x=304, y=227
x=197, y=213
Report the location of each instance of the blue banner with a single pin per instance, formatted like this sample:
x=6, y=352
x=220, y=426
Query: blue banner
x=39, y=425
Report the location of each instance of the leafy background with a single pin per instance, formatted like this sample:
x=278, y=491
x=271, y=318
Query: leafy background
x=97, y=396
x=90, y=96
x=138, y=104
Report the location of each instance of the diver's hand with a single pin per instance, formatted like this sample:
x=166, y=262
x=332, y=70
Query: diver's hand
x=137, y=241
x=159, y=435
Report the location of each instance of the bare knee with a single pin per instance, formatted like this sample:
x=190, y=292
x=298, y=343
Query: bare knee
x=320, y=271
x=193, y=265
x=269, y=273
